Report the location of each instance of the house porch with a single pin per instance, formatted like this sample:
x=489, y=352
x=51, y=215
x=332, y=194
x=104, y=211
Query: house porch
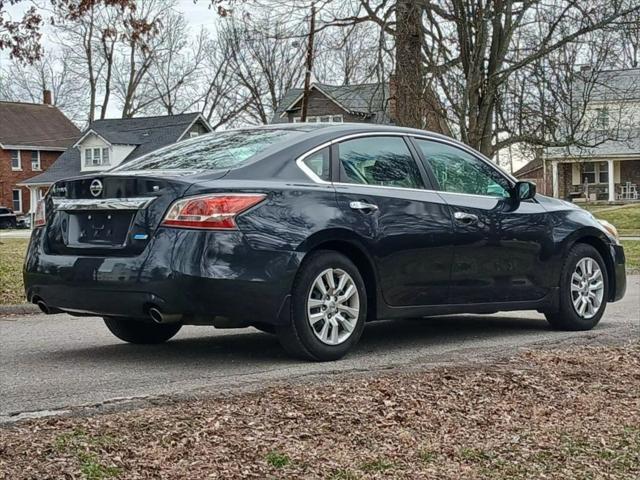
x=610, y=180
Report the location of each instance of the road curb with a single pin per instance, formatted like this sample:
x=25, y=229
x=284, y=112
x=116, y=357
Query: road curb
x=22, y=309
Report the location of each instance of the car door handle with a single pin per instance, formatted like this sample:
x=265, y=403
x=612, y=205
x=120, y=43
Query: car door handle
x=465, y=218
x=363, y=206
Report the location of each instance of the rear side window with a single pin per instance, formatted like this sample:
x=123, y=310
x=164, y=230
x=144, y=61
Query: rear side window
x=211, y=152
x=384, y=161
x=319, y=164
x=460, y=172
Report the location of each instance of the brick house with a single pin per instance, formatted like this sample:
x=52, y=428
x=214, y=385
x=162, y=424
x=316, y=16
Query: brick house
x=32, y=137
x=110, y=142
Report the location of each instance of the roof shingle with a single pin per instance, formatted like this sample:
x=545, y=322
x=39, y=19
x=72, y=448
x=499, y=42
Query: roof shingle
x=35, y=125
x=147, y=133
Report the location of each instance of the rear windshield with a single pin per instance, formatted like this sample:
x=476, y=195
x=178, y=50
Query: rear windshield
x=211, y=152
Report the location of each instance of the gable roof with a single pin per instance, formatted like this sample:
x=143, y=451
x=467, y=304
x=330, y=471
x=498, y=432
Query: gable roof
x=35, y=125
x=614, y=85
x=145, y=133
x=365, y=99
x=531, y=166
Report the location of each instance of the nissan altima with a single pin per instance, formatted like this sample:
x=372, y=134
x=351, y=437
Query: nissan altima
x=310, y=231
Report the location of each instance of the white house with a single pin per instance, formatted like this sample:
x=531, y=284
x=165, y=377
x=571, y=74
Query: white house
x=609, y=171
x=107, y=143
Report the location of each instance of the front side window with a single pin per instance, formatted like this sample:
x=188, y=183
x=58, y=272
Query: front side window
x=318, y=163
x=460, y=172
x=15, y=160
x=384, y=161
x=17, y=200
x=35, y=160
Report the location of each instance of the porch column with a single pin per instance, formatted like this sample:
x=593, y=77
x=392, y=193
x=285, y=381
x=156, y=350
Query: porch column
x=33, y=198
x=555, y=180
x=612, y=192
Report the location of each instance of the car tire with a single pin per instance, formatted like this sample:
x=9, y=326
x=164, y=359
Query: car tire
x=584, y=276
x=139, y=332
x=343, y=308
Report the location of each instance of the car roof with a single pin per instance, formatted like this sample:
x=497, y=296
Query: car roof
x=341, y=128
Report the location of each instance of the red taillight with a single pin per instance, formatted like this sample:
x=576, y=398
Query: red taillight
x=216, y=211
x=40, y=217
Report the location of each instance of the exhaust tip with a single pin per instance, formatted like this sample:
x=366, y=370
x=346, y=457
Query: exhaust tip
x=155, y=314
x=43, y=307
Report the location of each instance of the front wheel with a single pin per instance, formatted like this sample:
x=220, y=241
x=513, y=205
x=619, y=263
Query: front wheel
x=328, y=308
x=583, y=290
x=135, y=331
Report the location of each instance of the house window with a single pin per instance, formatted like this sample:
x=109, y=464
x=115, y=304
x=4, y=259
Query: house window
x=15, y=160
x=17, y=200
x=96, y=157
x=595, y=172
x=602, y=118
x=321, y=119
x=35, y=160
x=193, y=134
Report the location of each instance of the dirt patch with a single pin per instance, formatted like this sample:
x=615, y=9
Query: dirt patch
x=554, y=414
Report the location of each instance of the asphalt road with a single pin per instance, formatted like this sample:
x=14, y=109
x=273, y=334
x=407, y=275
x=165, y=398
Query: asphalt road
x=53, y=363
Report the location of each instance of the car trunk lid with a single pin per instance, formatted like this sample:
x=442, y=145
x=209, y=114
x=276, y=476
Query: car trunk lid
x=111, y=214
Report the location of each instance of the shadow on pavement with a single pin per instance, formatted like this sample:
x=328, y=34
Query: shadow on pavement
x=249, y=346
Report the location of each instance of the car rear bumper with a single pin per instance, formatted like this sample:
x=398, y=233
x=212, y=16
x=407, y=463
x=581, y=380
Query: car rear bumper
x=620, y=275
x=198, y=274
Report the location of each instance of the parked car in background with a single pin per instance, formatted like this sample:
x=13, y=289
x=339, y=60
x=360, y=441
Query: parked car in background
x=23, y=221
x=8, y=219
x=311, y=230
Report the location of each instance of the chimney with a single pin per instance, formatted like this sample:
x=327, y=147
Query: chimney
x=46, y=97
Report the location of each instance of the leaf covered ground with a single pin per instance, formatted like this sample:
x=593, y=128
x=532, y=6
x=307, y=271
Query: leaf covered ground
x=558, y=414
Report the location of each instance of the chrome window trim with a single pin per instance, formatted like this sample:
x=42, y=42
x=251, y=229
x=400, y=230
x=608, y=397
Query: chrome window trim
x=65, y=204
x=307, y=171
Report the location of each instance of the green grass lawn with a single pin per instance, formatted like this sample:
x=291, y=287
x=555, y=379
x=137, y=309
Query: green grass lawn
x=625, y=218
x=632, y=252
x=12, y=252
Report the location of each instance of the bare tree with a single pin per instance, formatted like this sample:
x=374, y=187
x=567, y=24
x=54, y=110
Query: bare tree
x=265, y=60
x=52, y=73
x=470, y=50
x=177, y=66
x=134, y=86
x=223, y=99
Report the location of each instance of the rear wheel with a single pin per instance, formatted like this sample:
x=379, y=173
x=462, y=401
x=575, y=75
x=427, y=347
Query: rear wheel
x=583, y=290
x=328, y=308
x=139, y=332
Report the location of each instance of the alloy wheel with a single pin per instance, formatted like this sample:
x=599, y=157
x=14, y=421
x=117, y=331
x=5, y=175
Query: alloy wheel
x=333, y=306
x=587, y=287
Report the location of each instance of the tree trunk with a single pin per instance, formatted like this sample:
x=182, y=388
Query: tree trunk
x=409, y=72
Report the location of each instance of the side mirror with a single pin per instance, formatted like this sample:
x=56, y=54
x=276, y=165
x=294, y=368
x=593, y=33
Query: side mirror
x=524, y=190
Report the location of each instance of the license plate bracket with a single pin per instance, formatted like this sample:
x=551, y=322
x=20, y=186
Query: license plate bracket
x=98, y=228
